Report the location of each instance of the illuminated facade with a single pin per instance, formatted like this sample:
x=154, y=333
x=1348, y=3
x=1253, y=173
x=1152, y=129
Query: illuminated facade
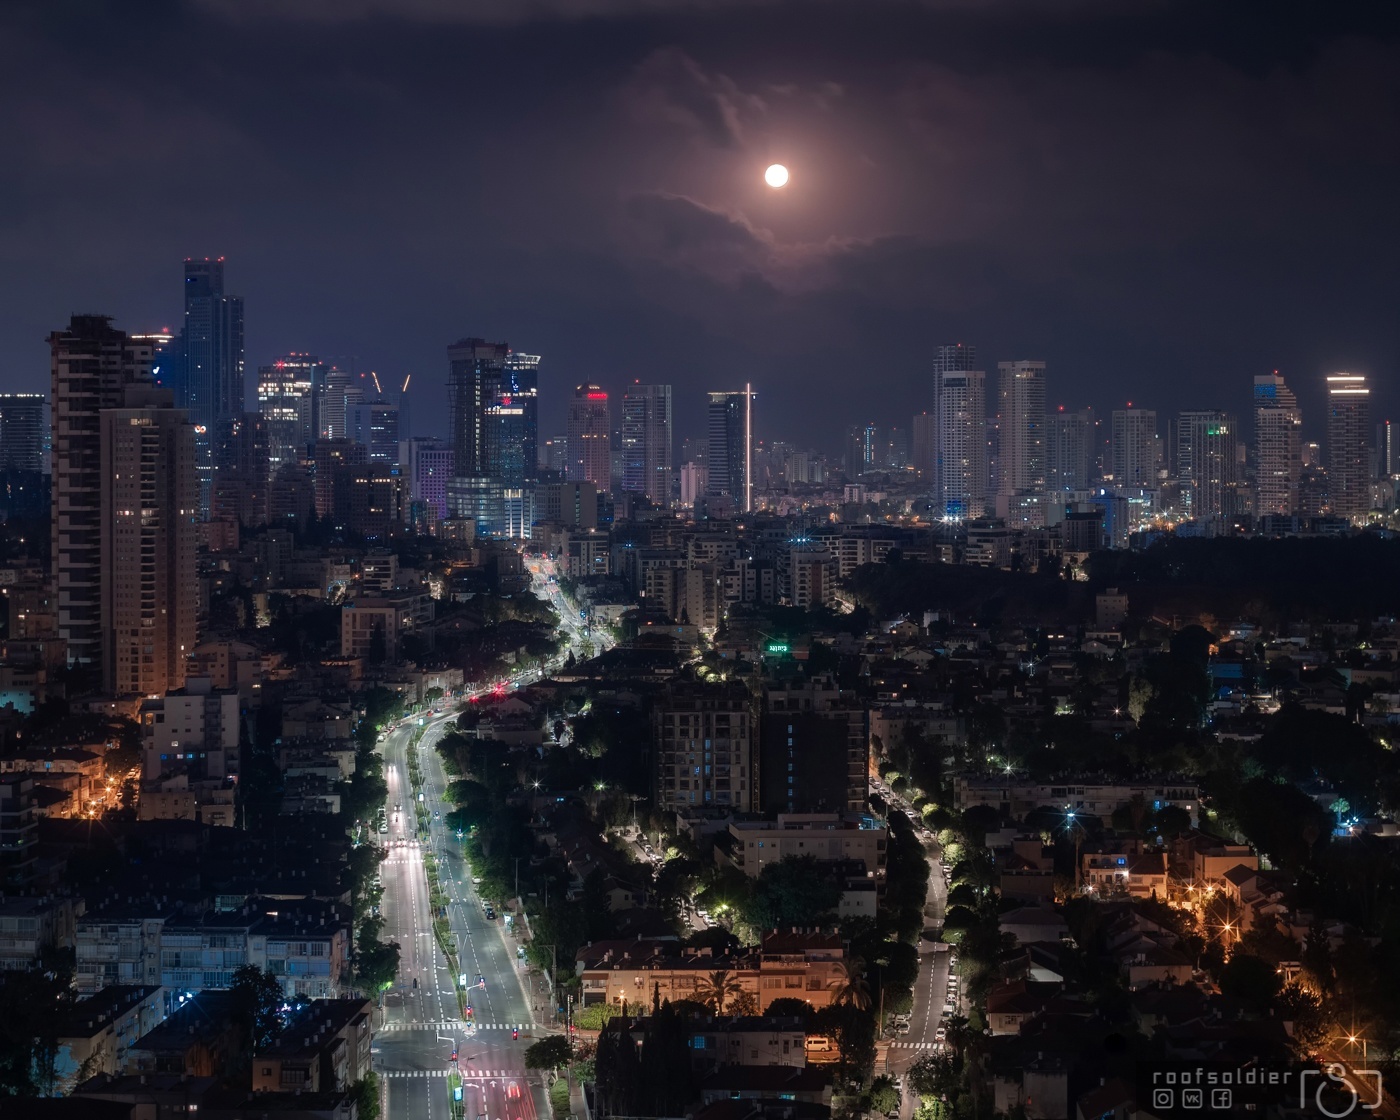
x=290, y=392
x=212, y=342
x=960, y=396
x=1021, y=403
x=149, y=597
x=729, y=449
x=589, y=438
x=1348, y=450
x=1278, y=446
x=646, y=442
x=1207, y=463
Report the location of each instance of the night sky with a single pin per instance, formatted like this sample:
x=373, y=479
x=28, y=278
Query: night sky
x=1159, y=200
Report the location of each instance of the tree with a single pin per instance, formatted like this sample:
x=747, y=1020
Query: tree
x=884, y=1095
x=257, y=999
x=787, y=1007
x=850, y=986
x=365, y=1093
x=717, y=989
x=1251, y=980
x=549, y=1053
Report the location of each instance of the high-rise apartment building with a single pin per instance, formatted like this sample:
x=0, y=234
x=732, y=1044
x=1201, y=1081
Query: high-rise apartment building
x=729, y=448
x=960, y=395
x=589, y=437
x=1278, y=457
x=1069, y=449
x=24, y=432
x=149, y=539
x=646, y=442
x=1133, y=448
x=212, y=344
x=705, y=746
x=92, y=366
x=1348, y=449
x=925, y=453
x=123, y=528
x=1207, y=463
x=1021, y=403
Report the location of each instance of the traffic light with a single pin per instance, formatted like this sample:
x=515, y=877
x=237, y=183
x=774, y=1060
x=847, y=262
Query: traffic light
x=514, y=1032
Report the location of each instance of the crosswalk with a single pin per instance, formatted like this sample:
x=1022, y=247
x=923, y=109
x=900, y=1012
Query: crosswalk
x=911, y=1045
x=453, y=1024
x=476, y=1075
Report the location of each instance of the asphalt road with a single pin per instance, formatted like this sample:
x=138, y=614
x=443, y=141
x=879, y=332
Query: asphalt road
x=421, y=1025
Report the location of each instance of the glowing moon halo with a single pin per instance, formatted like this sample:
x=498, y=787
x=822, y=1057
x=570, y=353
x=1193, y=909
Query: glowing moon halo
x=776, y=175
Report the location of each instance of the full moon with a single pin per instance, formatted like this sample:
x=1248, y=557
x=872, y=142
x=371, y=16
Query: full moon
x=776, y=175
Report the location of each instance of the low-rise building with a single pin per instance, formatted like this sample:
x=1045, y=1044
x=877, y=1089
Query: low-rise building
x=325, y=1048
x=101, y=1029
x=823, y=836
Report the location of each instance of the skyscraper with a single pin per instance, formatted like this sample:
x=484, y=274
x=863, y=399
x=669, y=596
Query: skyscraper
x=290, y=402
x=1348, y=452
x=960, y=396
x=512, y=423
x=376, y=425
x=1021, y=402
x=428, y=464
x=493, y=400
x=124, y=578
x=1133, y=448
x=1207, y=466
x=646, y=442
x=1278, y=429
x=149, y=538
x=925, y=455
x=212, y=344
x=1386, y=460
x=729, y=449
x=24, y=431
x=474, y=377
x=1069, y=450
x=334, y=397
x=589, y=438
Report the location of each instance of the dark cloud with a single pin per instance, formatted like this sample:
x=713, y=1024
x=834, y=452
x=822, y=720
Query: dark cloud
x=1159, y=200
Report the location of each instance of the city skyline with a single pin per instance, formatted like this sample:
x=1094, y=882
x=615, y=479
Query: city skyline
x=689, y=118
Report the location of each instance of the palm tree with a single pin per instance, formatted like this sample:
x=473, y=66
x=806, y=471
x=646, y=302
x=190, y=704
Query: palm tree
x=849, y=986
x=718, y=989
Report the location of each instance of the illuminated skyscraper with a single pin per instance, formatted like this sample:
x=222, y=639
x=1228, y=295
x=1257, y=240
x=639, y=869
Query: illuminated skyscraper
x=646, y=442
x=589, y=438
x=1207, y=466
x=960, y=399
x=1133, y=448
x=1278, y=428
x=729, y=450
x=291, y=392
x=123, y=531
x=1348, y=452
x=1021, y=403
x=149, y=543
x=212, y=342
